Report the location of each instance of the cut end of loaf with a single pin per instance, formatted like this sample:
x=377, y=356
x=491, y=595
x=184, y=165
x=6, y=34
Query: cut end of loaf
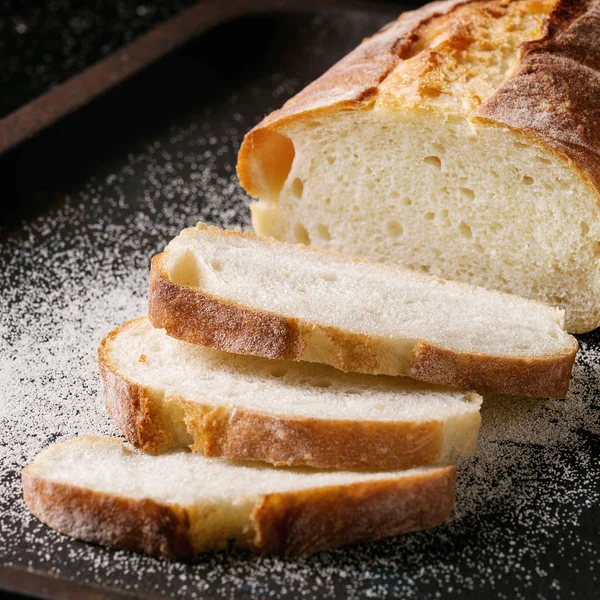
x=514, y=218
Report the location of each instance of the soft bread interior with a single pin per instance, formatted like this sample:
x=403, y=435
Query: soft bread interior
x=219, y=495
x=464, y=201
x=396, y=306
x=417, y=180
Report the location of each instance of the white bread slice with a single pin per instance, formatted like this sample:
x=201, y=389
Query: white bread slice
x=164, y=394
x=250, y=295
x=453, y=143
x=180, y=504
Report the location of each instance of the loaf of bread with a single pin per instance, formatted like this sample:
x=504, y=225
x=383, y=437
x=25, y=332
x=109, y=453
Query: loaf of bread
x=180, y=504
x=463, y=140
x=164, y=394
x=243, y=294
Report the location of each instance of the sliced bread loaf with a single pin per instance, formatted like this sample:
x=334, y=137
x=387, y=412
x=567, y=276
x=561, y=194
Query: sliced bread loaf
x=463, y=139
x=180, y=504
x=250, y=295
x=164, y=393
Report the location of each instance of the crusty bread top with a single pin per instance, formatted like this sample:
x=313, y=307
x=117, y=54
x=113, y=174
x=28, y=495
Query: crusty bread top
x=430, y=59
x=554, y=95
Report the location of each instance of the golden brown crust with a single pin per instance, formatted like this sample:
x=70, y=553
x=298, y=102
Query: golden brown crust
x=548, y=376
x=350, y=84
x=189, y=314
x=296, y=523
x=553, y=96
x=236, y=433
x=140, y=525
x=196, y=317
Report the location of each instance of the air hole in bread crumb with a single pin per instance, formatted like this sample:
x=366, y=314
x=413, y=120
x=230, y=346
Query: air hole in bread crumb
x=424, y=268
x=320, y=383
x=185, y=270
x=596, y=249
x=331, y=160
x=328, y=276
x=527, y=180
x=585, y=228
x=467, y=193
x=465, y=230
x=543, y=160
x=494, y=174
x=394, y=229
x=297, y=187
x=279, y=371
x=433, y=161
x=444, y=212
x=327, y=201
x=496, y=227
x=394, y=194
x=429, y=216
x=217, y=265
x=406, y=201
x=301, y=235
x=324, y=232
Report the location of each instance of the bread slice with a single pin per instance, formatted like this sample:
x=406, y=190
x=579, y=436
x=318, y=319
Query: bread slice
x=164, y=394
x=250, y=295
x=463, y=139
x=180, y=504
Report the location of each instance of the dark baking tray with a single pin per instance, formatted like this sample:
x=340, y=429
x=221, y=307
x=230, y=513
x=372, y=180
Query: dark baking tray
x=97, y=194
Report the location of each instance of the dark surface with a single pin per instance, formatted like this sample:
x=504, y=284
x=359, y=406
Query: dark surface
x=43, y=43
x=87, y=204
